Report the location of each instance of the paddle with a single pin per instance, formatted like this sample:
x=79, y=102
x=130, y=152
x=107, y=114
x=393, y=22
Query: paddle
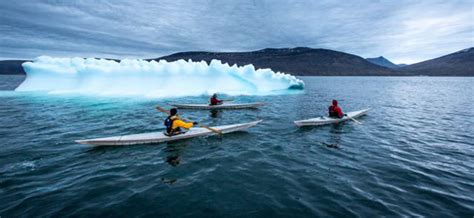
x=356, y=121
x=203, y=126
x=212, y=129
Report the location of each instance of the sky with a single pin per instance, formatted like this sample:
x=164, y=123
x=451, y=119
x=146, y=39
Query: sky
x=404, y=31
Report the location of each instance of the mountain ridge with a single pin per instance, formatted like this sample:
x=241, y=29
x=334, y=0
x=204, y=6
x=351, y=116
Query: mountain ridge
x=382, y=61
x=304, y=61
x=300, y=61
x=460, y=63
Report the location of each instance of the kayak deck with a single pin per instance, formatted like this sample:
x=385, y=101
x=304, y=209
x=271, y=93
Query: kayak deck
x=157, y=137
x=323, y=120
x=220, y=106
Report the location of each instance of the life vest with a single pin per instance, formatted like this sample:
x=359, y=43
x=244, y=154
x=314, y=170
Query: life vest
x=332, y=112
x=169, y=126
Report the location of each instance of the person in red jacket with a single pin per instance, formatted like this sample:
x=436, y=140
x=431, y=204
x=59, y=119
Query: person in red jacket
x=215, y=101
x=335, y=111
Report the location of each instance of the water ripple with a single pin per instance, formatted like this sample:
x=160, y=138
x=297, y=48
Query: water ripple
x=412, y=156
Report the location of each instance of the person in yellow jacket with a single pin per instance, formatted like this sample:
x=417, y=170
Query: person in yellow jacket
x=174, y=124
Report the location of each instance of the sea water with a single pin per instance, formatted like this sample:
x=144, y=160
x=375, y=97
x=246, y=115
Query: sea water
x=411, y=156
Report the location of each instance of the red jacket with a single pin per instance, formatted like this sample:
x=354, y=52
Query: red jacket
x=335, y=110
x=215, y=101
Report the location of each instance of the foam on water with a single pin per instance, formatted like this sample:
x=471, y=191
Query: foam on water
x=150, y=78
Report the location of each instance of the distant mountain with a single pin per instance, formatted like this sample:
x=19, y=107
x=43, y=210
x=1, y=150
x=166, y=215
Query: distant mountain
x=402, y=65
x=12, y=67
x=300, y=61
x=460, y=63
x=304, y=61
x=381, y=61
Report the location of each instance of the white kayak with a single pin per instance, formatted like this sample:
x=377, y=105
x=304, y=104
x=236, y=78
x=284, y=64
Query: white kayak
x=220, y=106
x=329, y=120
x=157, y=137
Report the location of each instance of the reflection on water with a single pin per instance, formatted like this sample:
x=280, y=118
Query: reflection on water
x=335, y=145
x=335, y=135
x=216, y=113
x=169, y=181
x=173, y=160
x=174, y=150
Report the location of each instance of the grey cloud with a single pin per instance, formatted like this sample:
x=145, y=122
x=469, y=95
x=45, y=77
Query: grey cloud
x=403, y=31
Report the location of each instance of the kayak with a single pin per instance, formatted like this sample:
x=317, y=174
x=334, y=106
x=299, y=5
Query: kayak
x=330, y=120
x=157, y=137
x=220, y=106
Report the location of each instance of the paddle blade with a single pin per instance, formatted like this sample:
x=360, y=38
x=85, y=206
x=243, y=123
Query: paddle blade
x=162, y=110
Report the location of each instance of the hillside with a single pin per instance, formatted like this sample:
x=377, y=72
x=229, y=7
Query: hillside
x=300, y=61
x=316, y=62
x=460, y=63
x=11, y=67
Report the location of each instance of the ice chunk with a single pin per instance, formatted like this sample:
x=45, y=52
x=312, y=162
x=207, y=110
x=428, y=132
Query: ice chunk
x=150, y=78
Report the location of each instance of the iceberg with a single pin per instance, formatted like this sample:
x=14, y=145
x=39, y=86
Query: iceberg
x=180, y=78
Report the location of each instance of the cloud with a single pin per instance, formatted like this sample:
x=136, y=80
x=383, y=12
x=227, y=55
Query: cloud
x=403, y=31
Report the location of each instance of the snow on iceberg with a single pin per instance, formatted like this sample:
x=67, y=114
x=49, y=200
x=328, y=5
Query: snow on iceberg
x=150, y=78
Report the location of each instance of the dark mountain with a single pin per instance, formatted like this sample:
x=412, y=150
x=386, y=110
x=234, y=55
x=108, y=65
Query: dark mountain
x=460, y=63
x=12, y=67
x=297, y=61
x=381, y=61
x=313, y=62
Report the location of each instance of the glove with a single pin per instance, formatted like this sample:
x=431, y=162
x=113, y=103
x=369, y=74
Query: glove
x=195, y=123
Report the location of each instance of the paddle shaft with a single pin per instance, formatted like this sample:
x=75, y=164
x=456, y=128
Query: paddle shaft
x=212, y=129
x=354, y=119
x=203, y=126
x=163, y=110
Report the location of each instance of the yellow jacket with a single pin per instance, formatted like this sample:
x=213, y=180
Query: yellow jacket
x=177, y=122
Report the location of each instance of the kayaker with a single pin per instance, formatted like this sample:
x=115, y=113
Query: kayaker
x=215, y=101
x=335, y=111
x=174, y=124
